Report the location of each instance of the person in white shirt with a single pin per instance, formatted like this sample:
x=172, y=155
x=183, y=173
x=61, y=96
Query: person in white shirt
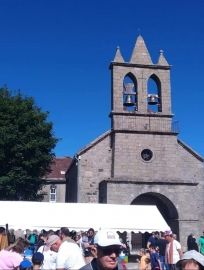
x=173, y=250
x=50, y=257
x=69, y=255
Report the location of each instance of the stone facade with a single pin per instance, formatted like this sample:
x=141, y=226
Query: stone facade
x=141, y=160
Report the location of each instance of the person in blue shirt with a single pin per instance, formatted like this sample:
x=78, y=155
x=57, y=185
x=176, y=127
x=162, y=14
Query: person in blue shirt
x=153, y=239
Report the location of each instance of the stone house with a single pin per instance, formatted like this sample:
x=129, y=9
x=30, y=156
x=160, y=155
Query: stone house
x=55, y=181
x=140, y=160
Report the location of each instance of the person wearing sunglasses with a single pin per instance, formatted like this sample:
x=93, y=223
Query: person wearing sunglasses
x=106, y=250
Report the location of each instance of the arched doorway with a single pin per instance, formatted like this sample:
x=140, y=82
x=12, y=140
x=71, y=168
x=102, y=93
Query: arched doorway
x=166, y=208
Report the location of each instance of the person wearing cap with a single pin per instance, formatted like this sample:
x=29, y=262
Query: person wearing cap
x=50, y=256
x=191, y=260
x=173, y=251
x=107, y=247
x=69, y=255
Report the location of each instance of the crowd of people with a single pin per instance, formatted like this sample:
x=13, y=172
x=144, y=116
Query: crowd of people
x=164, y=252
x=61, y=249
x=103, y=250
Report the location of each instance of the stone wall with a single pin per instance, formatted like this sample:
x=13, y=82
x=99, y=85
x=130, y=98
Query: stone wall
x=174, y=173
x=170, y=162
x=94, y=166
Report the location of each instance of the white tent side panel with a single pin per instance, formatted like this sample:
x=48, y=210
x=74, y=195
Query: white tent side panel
x=81, y=216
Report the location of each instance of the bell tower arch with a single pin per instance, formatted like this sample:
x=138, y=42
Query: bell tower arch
x=130, y=93
x=154, y=99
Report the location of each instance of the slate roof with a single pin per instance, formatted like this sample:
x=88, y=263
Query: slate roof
x=59, y=168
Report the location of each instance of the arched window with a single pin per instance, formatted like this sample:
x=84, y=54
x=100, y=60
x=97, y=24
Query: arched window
x=53, y=193
x=130, y=93
x=154, y=94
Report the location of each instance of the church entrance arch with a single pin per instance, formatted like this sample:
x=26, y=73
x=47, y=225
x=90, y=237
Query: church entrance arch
x=166, y=208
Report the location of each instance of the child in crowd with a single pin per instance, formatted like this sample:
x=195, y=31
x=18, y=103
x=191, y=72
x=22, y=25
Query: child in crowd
x=144, y=262
x=154, y=258
x=37, y=260
x=25, y=265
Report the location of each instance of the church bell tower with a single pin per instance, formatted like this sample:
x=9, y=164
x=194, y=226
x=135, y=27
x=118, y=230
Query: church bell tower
x=141, y=117
x=141, y=94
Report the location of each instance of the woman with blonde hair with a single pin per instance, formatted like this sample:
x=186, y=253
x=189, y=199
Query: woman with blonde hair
x=3, y=238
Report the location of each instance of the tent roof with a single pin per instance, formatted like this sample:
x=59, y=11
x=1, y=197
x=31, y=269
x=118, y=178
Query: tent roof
x=81, y=216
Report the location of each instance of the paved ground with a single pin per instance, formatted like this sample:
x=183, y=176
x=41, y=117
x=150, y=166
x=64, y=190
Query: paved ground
x=132, y=266
x=132, y=263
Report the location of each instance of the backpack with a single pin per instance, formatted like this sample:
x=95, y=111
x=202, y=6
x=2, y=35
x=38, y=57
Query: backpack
x=32, y=239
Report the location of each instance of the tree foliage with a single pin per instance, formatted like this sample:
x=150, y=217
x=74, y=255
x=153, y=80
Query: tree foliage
x=26, y=144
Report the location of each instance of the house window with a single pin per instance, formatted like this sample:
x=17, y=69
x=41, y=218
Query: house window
x=53, y=193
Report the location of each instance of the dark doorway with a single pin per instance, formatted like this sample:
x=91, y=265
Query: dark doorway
x=164, y=205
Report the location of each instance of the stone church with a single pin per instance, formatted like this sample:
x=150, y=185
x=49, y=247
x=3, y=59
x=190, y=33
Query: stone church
x=140, y=160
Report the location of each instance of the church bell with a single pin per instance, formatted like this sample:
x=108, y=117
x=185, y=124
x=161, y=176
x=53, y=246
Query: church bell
x=129, y=100
x=152, y=99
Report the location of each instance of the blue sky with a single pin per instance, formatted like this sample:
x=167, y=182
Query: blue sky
x=59, y=51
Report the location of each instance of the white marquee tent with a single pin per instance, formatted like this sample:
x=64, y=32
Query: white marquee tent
x=81, y=216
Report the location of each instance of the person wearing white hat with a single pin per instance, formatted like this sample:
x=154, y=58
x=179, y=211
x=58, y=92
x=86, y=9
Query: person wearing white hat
x=191, y=260
x=107, y=247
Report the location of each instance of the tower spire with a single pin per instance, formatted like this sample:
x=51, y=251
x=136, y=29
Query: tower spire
x=140, y=54
x=162, y=60
x=118, y=56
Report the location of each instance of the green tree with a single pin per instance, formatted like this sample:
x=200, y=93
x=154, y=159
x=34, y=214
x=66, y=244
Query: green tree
x=26, y=144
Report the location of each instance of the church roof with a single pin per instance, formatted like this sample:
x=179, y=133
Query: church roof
x=94, y=142
x=190, y=150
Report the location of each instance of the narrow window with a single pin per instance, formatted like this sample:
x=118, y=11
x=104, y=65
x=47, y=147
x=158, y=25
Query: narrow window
x=53, y=193
x=130, y=93
x=154, y=95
